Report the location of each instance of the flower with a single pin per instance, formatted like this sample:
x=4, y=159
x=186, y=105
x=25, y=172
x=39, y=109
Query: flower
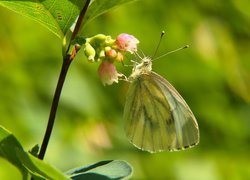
x=126, y=42
x=108, y=73
x=104, y=49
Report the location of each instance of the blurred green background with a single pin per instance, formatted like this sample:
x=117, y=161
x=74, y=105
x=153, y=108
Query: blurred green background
x=213, y=76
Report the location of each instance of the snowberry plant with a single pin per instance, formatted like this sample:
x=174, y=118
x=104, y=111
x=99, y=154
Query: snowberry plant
x=66, y=19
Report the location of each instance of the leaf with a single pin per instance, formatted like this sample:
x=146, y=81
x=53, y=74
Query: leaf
x=111, y=169
x=39, y=168
x=98, y=7
x=56, y=15
x=8, y=147
x=11, y=150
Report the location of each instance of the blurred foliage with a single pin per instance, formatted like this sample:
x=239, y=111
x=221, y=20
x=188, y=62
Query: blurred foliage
x=213, y=76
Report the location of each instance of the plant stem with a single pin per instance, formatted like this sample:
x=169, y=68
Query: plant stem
x=64, y=70
x=65, y=66
x=80, y=19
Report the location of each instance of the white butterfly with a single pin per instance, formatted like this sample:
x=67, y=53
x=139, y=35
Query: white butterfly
x=156, y=117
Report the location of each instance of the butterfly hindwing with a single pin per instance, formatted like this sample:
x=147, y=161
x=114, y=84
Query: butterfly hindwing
x=156, y=116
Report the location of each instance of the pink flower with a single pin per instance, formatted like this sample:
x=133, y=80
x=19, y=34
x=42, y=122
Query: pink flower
x=108, y=73
x=126, y=42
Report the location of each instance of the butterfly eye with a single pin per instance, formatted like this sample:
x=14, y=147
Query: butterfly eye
x=146, y=62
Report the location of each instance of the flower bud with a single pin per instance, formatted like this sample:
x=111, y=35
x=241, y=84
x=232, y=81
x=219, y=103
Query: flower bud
x=97, y=38
x=119, y=57
x=89, y=52
x=110, y=53
x=101, y=54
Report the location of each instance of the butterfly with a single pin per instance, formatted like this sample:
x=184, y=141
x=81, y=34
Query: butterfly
x=156, y=117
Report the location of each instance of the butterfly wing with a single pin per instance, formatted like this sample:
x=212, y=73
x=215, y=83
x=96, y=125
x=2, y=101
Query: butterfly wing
x=156, y=117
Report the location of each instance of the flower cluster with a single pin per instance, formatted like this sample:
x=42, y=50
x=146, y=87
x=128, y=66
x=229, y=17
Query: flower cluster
x=107, y=50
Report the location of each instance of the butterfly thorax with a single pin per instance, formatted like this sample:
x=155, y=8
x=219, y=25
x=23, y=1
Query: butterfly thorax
x=144, y=67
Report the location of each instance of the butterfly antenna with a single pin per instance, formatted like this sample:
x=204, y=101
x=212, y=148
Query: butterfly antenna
x=138, y=55
x=158, y=45
x=143, y=55
x=170, y=52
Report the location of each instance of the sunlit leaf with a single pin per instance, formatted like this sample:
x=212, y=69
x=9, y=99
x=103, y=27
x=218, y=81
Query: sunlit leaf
x=98, y=7
x=56, y=15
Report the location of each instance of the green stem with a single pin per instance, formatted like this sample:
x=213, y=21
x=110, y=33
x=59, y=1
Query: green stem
x=64, y=70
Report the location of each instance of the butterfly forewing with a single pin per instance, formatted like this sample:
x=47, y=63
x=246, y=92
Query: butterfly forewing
x=156, y=116
x=186, y=126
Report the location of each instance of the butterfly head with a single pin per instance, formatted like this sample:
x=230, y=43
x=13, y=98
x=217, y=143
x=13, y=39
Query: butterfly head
x=142, y=68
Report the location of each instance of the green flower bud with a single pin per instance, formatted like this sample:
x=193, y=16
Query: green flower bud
x=90, y=52
x=100, y=40
x=101, y=54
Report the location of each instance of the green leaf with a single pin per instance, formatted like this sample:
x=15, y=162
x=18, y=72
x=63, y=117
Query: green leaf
x=111, y=169
x=38, y=168
x=98, y=7
x=8, y=147
x=11, y=150
x=56, y=15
